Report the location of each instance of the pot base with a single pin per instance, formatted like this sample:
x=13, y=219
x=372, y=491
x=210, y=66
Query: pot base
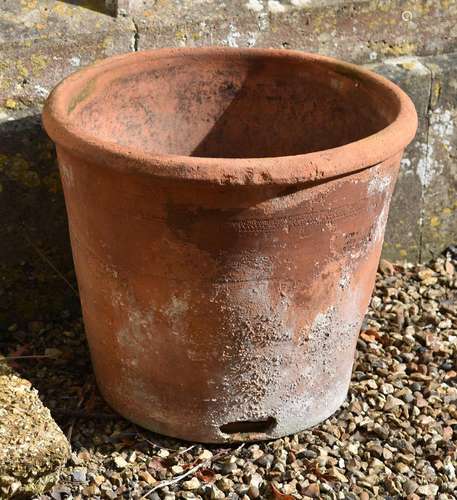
x=235, y=432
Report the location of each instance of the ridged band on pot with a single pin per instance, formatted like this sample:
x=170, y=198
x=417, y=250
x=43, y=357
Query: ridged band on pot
x=227, y=210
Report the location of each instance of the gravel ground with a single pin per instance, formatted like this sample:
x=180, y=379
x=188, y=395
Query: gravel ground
x=395, y=436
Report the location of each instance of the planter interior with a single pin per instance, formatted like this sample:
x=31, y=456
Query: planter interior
x=228, y=107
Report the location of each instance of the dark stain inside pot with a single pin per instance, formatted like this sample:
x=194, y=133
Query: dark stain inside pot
x=229, y=108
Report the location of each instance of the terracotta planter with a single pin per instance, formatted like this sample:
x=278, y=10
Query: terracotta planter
x=227, y=211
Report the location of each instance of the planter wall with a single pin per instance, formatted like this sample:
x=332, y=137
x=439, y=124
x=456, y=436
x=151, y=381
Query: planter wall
x=223, y=292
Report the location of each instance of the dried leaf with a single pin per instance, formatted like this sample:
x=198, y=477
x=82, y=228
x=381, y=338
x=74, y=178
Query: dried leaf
x=313, y=468
x=277, y=495
x=19, y=351
x=206, y=475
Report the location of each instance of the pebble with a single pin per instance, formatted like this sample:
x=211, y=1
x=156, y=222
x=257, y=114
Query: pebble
x=228, y=467
x=428, y=490
x=109, y=493
x=410, y=486
x=146, y=476
x=392, y=402
x=255, y=480
x=215, y=492
x=120, y=462
x=188, y=494
x=312, y=490
x=256, y=454
x=387, y=389
x=253, y=492
x=401, y=468
x=91, y=491
x=265, y=461
x=205, y=455
x=225, y=484
x=80, y=474
x=191, y=484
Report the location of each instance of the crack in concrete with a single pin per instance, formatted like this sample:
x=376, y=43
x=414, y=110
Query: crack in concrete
x=136, y=36
x=427, y=157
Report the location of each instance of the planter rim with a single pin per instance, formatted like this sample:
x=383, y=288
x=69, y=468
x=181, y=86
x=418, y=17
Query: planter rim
x=294, y=169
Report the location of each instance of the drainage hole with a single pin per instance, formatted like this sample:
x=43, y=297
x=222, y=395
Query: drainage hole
x=249, y=426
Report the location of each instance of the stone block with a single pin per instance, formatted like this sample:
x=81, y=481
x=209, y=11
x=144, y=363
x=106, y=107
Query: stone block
x=403, y=232
x=360, y=31
x=43, y=42
x=33, y=449
x=439, y=164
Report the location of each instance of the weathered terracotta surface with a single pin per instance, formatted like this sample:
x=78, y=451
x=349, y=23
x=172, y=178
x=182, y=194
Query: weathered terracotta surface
x=227, y=210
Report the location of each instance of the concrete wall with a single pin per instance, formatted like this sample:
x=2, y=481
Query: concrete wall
x=41, y=41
